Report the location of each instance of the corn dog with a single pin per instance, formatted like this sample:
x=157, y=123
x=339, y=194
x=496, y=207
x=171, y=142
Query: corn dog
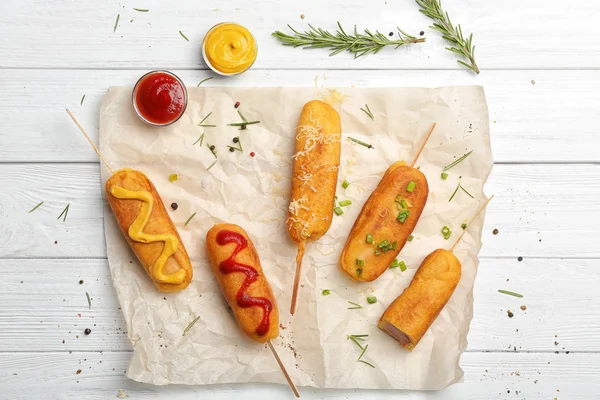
x=409, y=317
x=149, y=230
x=386, y=220
x=236, y=265
x=412, y=313
x=314, y=179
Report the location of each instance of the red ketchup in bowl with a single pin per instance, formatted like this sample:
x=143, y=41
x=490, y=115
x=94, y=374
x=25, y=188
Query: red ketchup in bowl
x=159, y=98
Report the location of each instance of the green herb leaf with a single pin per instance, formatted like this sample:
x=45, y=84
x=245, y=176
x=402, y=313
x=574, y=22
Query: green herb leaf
x=36, y=207
x=244, y=123
x=116, y=22
x=368, y=112
x=326, y=292
x=189, y=219
x=459, y=186
x=187, y=328
x=358, y=44
x=65, y=212
x=89, y=299
x=355, y=305
x=82, y=99
x=204, y=80
x=345, y=184
x=368, y=363
x=205, y=118
x=455, y=163
x=200, y=139
x=508, y=292
x=183, y=36
x=242, y=116
x=141, y=9
x=368, y=146
x=371, y=299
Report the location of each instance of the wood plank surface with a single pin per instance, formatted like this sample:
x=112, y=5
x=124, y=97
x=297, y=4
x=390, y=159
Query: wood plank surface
x=547, y=122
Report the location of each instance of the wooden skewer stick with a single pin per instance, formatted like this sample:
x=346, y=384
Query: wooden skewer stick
x=469, y=223
x=285, y=373
x=299, y=256
x=414, y=161
x=90, y=141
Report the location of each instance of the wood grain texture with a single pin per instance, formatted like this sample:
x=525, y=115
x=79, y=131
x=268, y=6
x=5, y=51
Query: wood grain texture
x=532, y=211
x=487, y=376
x=553, y=120
x=50, y=306
x=511, y=34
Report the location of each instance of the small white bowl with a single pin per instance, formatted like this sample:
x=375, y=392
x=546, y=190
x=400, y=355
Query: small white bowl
x=215, y=70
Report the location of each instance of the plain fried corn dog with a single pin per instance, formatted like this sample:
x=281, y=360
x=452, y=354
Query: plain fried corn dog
x=146, y=225
x=409, y=317
x=314, y=179
x=386, y=220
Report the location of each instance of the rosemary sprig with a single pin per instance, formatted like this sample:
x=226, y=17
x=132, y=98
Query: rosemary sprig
x=89, y=299
x=116, y=22
x=206, y=125
x=35, y=208
x=355, y=305
x=508, y=292
x=358, y=44
x=236, y=148
x=455, y=163
x=368, y=112
x=65, y=212
x=212, y=165
x=200, y=139
x=244, y=123
x=459, y=186
x=187, y=328
x=189, y=219
x=183, y=36
x=141, y=9
x=367, y=145
x=205, y=118
x=460, y=45
x=204, y=80
x=212, y=149
x=82, y=99
x=242, y=116
x=357, y=339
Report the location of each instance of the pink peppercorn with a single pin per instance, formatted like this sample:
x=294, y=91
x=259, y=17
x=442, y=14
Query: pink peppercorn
x=252, y=154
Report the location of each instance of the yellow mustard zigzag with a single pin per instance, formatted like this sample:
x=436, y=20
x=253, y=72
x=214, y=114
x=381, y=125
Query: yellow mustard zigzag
x=136, y=234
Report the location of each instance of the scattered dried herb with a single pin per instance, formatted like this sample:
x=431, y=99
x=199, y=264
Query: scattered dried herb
x=190, y=325
x=212, y=165
x=89, y=299
x=173, y=177
x=200, y=139
x=355, y=306
x=189, y=219
x=242, y=124
x=357, y=339
x=65, y=212
x=326, y=292
x=455, y=163
x=141, y=9
x=204, y=80
x=459, y=186
x=36, y=207
x=368, y=146
x=183, y=36
x=367, y=111
x=82, y=99
x=508, y=292
x=116, y=22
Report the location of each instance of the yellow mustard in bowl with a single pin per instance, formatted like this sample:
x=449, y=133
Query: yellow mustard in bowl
x=229, y=48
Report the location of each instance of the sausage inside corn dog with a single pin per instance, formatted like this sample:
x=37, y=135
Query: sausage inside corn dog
x=237, y=268
x=314, y=178
x=385, y=222
x=149, y=230
x=409, y=317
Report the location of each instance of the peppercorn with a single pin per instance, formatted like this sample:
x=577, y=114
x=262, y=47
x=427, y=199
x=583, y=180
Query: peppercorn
x=520, y=258
x=236, y=139
x=174, y=206
x=87, y=331
x=495, y=231
x=81, y=282
x=237, y=104
x=252, y=154
x=391, y=34
x=212, y=147
x=231, y=149
x=243, y=127
x=421, y=33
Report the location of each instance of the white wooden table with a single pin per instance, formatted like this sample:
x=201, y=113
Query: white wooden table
x=540, y=64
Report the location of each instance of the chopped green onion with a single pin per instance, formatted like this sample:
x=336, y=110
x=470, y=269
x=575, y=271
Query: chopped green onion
x=455, y=163
x=189, y=219
x=36, y=207
x=173, y=177
x=446, y=232
x=183, y=36
x=369, y=238
x=383, y=244
x=444, y=176
x=345, y=203
x=345, y=184
x=326, y=292
x=371, y=299
x=356, y=306
x=338, y=210
x=360, y=263
x=394, y=264
x=359, y=271
x=394, y=245
x=403, y=215
x=508, y=292
x=410, y=238
x=410, y=187
x=402, y=266
x=377, y=252
x=404, y=204
x=463, y=226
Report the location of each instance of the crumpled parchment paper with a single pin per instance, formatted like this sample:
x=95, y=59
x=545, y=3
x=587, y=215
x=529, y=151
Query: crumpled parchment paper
x=254, y=193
